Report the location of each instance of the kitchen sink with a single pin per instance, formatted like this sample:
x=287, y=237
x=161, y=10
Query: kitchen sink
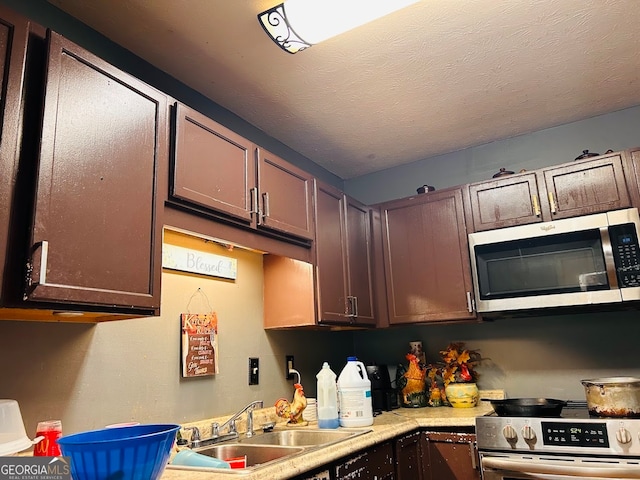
x=257, y=455
x=270, y=447
x=302, y=438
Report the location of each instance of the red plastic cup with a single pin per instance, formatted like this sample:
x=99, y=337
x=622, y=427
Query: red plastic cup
x=51, y=430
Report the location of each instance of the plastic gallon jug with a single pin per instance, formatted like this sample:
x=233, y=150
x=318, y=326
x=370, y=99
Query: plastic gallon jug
x=354, y=395
x=327, y=401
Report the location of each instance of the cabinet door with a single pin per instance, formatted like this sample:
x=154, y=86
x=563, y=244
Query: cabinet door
x=450, y=456
x=505, y=202
x=632, y=175
x=374, y=463
x=13, y=44
x=331, y=255
x=360, y=261
x=426, y=258
x=408, y=456
x=285, y=193
x=96, y=236
x=213, y=167
x=586, y=187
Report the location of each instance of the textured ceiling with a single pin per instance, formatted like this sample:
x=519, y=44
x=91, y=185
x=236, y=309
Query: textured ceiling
x=438, y=76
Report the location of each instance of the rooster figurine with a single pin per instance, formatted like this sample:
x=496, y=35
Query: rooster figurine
x=292, y=411
x=411, y=382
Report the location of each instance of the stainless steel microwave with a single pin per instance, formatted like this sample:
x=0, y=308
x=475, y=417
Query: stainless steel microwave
x=593, y=259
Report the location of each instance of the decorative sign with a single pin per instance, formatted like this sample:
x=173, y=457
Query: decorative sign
x=199, y=344
x=194, y=261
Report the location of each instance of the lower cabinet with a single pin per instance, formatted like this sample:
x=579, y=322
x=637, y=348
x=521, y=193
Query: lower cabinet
x=408, y=457
x=375, y=463
x=419, y=455
x=449, y=456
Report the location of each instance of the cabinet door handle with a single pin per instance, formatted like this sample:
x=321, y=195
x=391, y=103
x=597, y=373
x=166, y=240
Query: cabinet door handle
x=44, y=258
x=255, y=209
x=552, y=203
x=474, y=454
x=469, y=303
x=536, y=205
x=265, y=204
x=354, y=310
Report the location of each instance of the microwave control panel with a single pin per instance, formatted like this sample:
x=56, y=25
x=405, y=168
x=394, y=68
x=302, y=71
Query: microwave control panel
x=626, y=253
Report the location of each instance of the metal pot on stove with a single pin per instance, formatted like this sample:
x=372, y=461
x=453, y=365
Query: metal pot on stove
x=613, y=396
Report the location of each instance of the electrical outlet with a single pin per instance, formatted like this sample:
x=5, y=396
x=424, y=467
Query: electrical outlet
x=288, y=366
x=254, y=371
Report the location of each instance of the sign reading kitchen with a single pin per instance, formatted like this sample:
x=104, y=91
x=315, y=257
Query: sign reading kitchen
x=194, y=261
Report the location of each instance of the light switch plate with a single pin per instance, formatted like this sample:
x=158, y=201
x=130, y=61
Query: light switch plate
x=254, y=371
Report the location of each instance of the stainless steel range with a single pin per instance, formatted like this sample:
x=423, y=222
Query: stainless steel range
x=574, y=445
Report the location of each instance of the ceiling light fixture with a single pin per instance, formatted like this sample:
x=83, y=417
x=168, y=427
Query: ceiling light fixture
x=297, y=24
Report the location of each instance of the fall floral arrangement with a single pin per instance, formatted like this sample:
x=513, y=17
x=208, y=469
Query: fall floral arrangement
x=457, y=366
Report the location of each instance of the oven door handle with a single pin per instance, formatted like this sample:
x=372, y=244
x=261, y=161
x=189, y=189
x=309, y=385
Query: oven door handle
x=564, y=469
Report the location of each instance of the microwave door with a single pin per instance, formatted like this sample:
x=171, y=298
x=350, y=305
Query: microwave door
x=560, y=263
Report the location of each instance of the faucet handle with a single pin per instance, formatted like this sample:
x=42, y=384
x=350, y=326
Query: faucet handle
x=215, y=429
x=195, y=433
x=232, y=427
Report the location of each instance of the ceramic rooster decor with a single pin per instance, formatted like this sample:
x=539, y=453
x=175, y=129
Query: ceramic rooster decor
x=292, y=411
x=411, y=383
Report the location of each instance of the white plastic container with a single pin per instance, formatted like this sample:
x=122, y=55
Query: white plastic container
x=13, y=437
x=354, y=394
x=327, y=398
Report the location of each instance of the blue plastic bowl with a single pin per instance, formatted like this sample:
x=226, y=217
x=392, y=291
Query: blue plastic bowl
x=140, y=452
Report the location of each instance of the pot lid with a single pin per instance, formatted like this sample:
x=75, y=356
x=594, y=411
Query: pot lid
x=503, y=171
x=602, y=381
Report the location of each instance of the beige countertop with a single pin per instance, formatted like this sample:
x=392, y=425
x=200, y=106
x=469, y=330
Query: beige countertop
x=385, y=426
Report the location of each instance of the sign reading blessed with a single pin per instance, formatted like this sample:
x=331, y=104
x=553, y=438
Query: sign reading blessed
x=199, y=344
x=194, y=261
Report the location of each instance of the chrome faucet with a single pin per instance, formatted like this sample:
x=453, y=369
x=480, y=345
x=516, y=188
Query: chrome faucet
x=231, y=423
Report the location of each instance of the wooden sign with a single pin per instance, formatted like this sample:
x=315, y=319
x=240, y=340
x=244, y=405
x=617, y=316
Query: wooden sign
x=199, y=344
x=194, y=261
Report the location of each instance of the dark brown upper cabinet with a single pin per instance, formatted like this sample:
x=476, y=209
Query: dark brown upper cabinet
x=632, y=175
x=572, y=189
x=13, y=47
x=426, y=258
x=344, y=258
x=96, y=237
x=213, y=167
x=218, y=172
x=284, y=197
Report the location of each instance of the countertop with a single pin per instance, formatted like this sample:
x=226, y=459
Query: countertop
x=385, y=426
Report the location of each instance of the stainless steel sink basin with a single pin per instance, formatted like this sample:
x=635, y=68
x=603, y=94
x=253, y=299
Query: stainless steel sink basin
x=257, y=455
x=302, y=438
x=271, y=447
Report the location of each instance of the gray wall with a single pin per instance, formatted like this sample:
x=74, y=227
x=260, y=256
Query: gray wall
x=526, y=357
x=553, y=146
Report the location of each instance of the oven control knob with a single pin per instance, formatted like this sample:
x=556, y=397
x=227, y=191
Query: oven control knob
x=623, y=436
x=510, y=433
x=528, y=434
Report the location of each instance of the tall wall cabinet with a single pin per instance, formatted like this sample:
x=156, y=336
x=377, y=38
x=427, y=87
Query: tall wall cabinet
x=426, y=258
x=86, y=236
